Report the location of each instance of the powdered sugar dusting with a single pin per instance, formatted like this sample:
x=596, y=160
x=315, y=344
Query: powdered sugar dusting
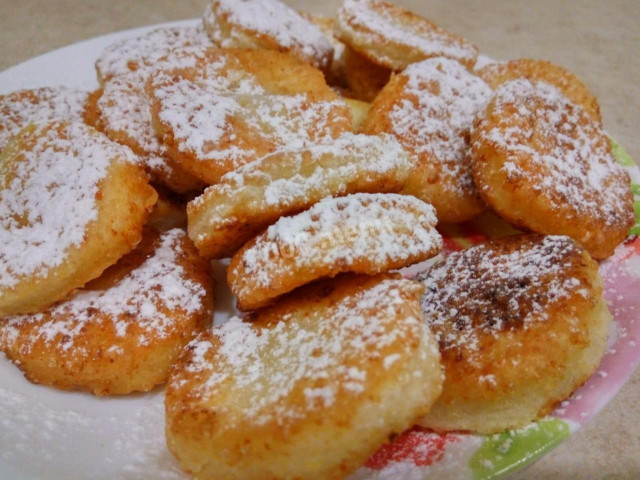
x=141, y=296
x=18, y=109
x=143, y=51
x=378, y=228
x=571, y=163
x=325, y=352
x=56, y=174
x=433, y=119
x=266, y=17
x=493, y=287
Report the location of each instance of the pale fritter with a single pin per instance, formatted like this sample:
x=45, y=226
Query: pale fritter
x=122, y=113
x=495, y=74
x=235, y=106
x=521, y=324
x=250, y=199
x=71, y=204
x=122, y=332
x=308, y=388
x=360, y=233
x=430, y=108
x=542, y=163
x=267, y=25
x=393, y=37
x=364, y=79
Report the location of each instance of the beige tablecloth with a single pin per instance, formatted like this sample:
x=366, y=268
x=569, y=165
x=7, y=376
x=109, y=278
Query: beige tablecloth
x=599, y=41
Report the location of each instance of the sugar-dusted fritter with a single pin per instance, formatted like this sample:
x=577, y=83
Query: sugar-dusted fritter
x=360, y=233
x=542, y=163
x=72, y=202
x=235, y=106
x=19, y=109
x=430, y=108
x=393, y=37
x=123, y=115
x=308, y=388
x=497, y=73
x=145, y=50
x=269, y=25
x=122, y=332
x=247, y=201
x=364, y=79
x=521, y=324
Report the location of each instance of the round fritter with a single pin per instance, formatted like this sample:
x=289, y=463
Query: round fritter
x=268, y=25
x=521, y=324
x=247, y=201
x=495, y=74
x=360, y=233
x=19, y=109
x=364, y=79
x=235, y=106
x=306, y=389
x=543, y=164
x=123, y=115
x=430, y=108
x=393, y=37
x=123, y=331
x=72, y=203
x=145, y=50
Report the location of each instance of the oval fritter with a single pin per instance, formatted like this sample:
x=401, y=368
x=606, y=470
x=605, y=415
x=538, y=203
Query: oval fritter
x=235, y=106
x=521, y=324
x=19, y=109
x=393, y=37
x=253, y=197
x=542, y=163
x=308, y=388
x=122, y=332
x=72, y=203
x=268, y=25
x=430, y=108
x=360, y=233
x=497, y=73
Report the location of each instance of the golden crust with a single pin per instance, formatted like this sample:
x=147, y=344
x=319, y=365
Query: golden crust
x=335, y=75
x=327, y=393
x=266, y=99
x=253, y=197
x=363, y=78
x=268, y=25
x=495, y=74
x=102, y=339
x=360, y=233
x=393, y=37
x=169, y=212
x=529, y=327
x=429, y=108
x=121, y=201
x=543, y=164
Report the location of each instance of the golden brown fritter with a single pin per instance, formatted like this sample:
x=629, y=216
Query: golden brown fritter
x=308, y=388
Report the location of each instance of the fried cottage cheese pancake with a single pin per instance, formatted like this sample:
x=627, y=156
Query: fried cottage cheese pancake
x=123, y=115
x=542, y=163
x=495, y=74
x=360, y=233
x=235, y=106
x=521, y=324
x=247, y=201
x=308, y=388
x=123, y=331
x=20, y=108
x=269, y=25
x=393, y=37
x=430, y=108
x=71, y=204
x=145, y=50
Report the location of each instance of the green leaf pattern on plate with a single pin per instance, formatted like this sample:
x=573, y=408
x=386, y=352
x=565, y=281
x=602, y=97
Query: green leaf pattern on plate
x=625, y=160
x=506, y=452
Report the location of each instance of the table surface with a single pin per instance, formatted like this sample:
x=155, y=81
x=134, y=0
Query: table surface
x=599, y=41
